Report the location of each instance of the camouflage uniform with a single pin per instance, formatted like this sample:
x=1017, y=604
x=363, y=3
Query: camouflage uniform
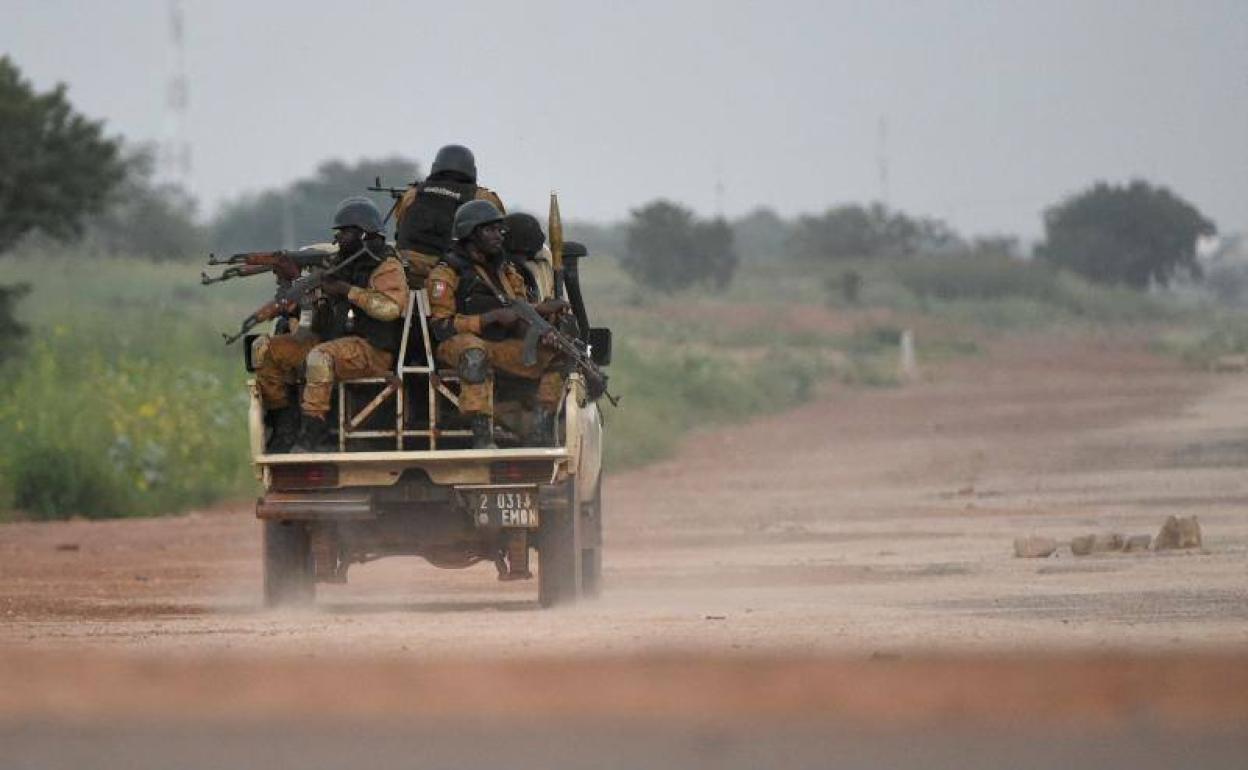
x=369, y=349
x=277, y=361
x=459, y=292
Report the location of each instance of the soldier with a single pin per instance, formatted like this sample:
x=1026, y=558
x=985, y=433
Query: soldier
x=476, y=332
x=361, y=318
x=525, y=245
x=426, y=212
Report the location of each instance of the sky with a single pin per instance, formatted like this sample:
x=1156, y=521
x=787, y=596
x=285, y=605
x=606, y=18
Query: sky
x=979, y=113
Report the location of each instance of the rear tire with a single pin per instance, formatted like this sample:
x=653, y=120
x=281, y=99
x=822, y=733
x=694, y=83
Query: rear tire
x=288, y=578
x=559, y=549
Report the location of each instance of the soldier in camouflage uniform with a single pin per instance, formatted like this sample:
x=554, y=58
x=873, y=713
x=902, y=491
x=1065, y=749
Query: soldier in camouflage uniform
x=355, y=331
x=426, y=212
x=476, y=332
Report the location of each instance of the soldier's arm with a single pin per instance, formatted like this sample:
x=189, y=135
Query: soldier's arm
x=444, y=321
x=386, y=296
x=486, y=194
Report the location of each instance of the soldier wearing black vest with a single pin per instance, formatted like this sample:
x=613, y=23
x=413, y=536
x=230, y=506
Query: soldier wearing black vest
x=476, y=332
x=426, y=212
x=360, y=318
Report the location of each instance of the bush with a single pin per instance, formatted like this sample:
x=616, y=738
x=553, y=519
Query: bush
x=855, y=232
x=977, y=276
x=108, y=427
x=667, y=394
x=1132, y=235
x=670, y=249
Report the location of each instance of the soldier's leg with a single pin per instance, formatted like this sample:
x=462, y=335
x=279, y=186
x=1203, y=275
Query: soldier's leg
x=508, y=356
x=346, y=358
x=468, y=354
x=278, y=359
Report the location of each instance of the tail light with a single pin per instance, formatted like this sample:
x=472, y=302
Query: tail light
x=530, y=472
x=311, y=476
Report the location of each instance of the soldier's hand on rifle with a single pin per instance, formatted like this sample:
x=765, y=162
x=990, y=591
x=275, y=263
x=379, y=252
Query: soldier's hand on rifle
x=286, y=268
x=503, y=316
x=552, y=307
x=335, y=288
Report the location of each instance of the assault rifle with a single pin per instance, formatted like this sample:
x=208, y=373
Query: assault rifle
x=543, y=331
x=288, y=296
x=395, y=192
x=250, y=263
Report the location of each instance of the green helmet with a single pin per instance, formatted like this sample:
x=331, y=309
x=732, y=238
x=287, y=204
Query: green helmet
x=457, y=158
x=524, y=234
x=358, y=211
x=472, y=215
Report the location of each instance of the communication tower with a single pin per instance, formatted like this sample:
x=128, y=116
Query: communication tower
x=175, y=150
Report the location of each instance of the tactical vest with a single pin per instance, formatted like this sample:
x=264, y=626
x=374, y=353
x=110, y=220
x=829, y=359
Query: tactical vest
x=473, y=295
x=426, y=225
x=345, y=319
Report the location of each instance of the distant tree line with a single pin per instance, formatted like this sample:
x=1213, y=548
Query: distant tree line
x=61, y=178
x=1134, y=235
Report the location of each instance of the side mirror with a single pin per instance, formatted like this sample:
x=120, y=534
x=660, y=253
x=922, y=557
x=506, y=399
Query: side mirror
x=600, y=345
x=574, y=250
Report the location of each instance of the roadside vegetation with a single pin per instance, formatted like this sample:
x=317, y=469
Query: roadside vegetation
x=117, y=396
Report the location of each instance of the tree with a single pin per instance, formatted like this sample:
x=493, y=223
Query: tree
x=760, y=234
x=1135, y=235
x=56, y=166
x=854, y=232
x=146, y=218
x=56, y=169
x=300, y=213
x=670, y=249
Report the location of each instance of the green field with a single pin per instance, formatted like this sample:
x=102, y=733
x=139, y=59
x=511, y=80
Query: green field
x=126, y=402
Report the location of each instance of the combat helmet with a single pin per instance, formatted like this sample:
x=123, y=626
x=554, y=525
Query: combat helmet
x=358, y=211
x=524, y=234
x=472, y=215
x=457, y=158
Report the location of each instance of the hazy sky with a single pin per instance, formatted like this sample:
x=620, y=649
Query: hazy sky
x=993, y=110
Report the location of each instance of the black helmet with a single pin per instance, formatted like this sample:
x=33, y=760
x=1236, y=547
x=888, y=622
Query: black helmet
x=472, y=215
x=358, y=211
x=457, y=158
x=524, y=234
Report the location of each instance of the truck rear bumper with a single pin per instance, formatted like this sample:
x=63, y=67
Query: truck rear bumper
x=331, y=504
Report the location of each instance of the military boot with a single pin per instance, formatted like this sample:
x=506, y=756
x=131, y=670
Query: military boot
x=543, y=430
x=313, y=436
x=285, y=423
x=483, y=432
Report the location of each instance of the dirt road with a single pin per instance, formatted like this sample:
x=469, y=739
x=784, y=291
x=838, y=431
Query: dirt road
x=871, y=528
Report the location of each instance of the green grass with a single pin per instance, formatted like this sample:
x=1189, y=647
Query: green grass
x=126, y=402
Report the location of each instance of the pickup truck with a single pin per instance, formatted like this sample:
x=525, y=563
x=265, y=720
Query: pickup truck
x=405, y=480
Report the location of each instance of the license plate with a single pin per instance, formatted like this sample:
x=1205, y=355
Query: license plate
x=504, y=507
